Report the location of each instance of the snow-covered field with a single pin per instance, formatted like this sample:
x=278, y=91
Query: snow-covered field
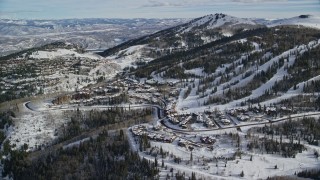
x=129, y=56
x=62, y=53
x=310, y=21
x=35, y=128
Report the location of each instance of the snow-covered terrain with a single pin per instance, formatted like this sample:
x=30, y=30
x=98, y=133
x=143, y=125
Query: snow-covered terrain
x=129, y=56
x=36, y=128
x=304, y=20
x=92, y=34
x=100, y=34
x=213, y=164
x=207, y=103
x=191, y=104
x=218, y=20
x=65, y=53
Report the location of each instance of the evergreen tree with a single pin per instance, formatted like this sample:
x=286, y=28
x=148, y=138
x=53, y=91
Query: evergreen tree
x=242, y=174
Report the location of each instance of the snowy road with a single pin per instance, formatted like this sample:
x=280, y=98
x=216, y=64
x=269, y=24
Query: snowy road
x=162, y=118
x=301, y=115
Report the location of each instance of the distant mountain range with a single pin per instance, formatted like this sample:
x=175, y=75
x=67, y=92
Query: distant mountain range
x=204, y=30
x=92, y=34
x=101, y=34
x=192, y=34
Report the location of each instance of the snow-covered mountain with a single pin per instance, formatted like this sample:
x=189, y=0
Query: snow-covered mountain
x=186, y=36
x=304, y=20
x=259, y=61
x=222, y=21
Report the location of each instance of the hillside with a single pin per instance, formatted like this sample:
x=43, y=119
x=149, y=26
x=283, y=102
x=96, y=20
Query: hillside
x=303, y=20
x=52, y=68
x=184, y=37
x=230, y=61
x=249, y=67
x=256, y=65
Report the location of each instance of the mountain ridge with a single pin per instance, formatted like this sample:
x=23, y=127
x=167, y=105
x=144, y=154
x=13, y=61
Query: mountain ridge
x=203, y=30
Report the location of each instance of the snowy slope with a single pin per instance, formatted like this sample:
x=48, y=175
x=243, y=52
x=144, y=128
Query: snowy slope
x=217, y=20
x=309, y=21
x=62, y=53
x=129, y=56
x=195, y=33
x=193, y=102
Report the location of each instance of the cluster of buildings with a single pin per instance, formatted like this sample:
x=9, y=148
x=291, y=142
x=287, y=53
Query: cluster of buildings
x=245, y=114
x=95, y=95
x=181, y=120
x=208, y=140
x=218, y=116
x=208, y=122
x=204, y=141
x=140, y=130
x=112, y=90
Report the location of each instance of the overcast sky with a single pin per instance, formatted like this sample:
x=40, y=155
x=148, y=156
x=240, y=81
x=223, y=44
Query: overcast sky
x=63, y=9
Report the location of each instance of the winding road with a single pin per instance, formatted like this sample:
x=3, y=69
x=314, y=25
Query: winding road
x=162, y=118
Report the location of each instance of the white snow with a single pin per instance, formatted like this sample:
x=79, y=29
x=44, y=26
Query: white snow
x=106, y=68
x=215, y=21
x=311, y=21
x=127, y=57
x=35, y=128
x=227, y=34
x=196, y=71
x=62, y=53
x=191, y=104
x=204, y=165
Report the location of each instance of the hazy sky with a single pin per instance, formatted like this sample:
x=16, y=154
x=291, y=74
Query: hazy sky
x=62, y=9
